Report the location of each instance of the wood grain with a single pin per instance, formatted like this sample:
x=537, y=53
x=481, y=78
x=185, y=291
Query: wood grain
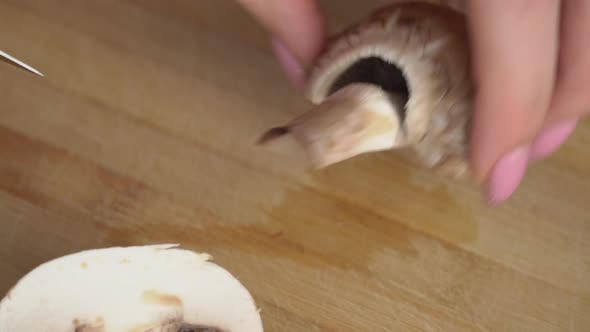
x=143, y=132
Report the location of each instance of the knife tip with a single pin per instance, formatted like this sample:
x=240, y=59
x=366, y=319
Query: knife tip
x=20, y=64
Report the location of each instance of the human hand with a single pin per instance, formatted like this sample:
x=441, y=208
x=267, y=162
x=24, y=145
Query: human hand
x=297, y=29
x=531, y=71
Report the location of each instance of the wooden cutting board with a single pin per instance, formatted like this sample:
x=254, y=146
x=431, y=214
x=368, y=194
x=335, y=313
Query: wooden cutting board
x=143, y=132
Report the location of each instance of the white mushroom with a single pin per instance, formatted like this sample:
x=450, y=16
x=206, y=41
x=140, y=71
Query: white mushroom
x=132, y=289
x=398, y=79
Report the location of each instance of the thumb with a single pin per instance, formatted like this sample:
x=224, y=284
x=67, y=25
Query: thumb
x=297, y=27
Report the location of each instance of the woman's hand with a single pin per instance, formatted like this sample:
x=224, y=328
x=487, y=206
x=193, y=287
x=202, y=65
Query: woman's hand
x=297, y=30
x=532, y=71
x=531, y=66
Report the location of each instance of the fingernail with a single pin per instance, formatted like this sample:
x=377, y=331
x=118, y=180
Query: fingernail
x=550, y=139
x=288, y=62
x=506, y=175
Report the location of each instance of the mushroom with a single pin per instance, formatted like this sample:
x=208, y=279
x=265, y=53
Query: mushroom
x=398, y=80
x=155, y=288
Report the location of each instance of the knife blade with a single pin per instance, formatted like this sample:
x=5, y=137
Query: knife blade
x=19, y=64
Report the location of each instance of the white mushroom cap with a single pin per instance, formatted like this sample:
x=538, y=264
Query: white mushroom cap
x=132, y=289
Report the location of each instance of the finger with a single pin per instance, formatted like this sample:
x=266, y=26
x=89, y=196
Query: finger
x=572, y=91
x=297, y=24
x=291, y=66
x=551, y=138
x=572, y=98
x=514, y=58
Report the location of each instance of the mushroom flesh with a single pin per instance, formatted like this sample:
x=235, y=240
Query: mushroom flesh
x=156, y=288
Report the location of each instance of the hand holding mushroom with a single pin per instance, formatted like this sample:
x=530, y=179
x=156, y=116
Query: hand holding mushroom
x=527, y=60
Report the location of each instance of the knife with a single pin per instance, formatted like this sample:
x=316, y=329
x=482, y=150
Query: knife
x=15, y=62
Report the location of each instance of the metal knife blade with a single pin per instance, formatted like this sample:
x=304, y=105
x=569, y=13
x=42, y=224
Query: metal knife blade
x=15, y=62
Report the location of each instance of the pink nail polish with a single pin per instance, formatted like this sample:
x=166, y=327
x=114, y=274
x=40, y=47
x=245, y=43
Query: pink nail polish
x=288, y=62
x=507, y=175
x=550, y=139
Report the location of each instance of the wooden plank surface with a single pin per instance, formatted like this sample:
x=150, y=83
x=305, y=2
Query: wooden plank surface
x=142, y=132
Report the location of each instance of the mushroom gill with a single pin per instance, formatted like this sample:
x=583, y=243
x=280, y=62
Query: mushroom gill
x=380, y=73
x=156, y=288
x=404, y=70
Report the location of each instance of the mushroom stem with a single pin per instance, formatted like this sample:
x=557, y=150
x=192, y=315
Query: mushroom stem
x=357, y=119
